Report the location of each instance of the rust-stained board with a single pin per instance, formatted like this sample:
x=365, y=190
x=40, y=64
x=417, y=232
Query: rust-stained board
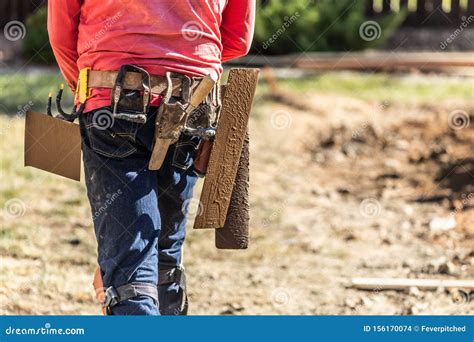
x=235, y=233
x=227, y=147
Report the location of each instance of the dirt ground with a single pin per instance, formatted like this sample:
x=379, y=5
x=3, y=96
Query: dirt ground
x=340, y=187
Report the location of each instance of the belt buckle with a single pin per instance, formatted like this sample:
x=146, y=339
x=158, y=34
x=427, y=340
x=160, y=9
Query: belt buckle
x=112, y=297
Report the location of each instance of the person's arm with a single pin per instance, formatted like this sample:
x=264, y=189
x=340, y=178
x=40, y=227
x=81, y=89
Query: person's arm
x=237, y=28
x=63, y=29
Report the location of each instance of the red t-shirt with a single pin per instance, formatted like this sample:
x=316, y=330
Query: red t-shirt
x=192, y=37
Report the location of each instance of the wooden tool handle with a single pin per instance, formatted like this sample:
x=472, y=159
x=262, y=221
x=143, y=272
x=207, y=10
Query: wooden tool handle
x=202, y=90
x=158, y=155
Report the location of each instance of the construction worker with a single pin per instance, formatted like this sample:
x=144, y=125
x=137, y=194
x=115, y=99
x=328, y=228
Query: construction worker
x=139, y=214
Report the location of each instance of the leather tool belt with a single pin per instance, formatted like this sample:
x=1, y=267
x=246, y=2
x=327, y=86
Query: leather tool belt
x=132, y=81
x=190, y=105
x=132, y=89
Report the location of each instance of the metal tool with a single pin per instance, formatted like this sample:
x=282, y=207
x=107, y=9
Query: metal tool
x=62, y=114
x=172, y=120
x=48, y=107
x=131, y=105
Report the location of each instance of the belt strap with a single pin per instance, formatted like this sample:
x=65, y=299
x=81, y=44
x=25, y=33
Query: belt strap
x=113, y=295
x=133, y=81
x=174, y=275
x=177, y=276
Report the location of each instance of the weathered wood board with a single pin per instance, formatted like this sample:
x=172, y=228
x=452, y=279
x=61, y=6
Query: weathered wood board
x=227, y=147
x=404, y=283
x=235, y=233
x=379, y=60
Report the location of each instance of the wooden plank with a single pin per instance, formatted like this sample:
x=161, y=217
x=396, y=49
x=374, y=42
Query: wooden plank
x=235, y=233
x=333, y=59
x=437, y=5
x=18, y=10
x=437, y=17
x=22, y=10
x=376, y=61
x=227, y=148
x=365, y=60
x=420, y=11
x=8, y=15
x=386, y=7
x=15, y=14
x=455, y=10
x=470, y=8
x=405, y=283
x=369, y=8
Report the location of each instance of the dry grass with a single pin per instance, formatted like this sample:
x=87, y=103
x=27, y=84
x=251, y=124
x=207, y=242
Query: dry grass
x=308, y=234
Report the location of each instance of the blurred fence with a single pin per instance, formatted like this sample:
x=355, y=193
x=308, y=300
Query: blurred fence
x=17, y=9
x=425, y=12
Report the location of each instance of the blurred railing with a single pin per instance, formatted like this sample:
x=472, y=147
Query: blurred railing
x=426, y=12
x=17, y=9
x=420, y=12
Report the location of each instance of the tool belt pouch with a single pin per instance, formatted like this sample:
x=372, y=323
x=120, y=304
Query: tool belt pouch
x=180, y=117
x=171, y=119
x=194, y=145
x=204, y=120
x=131, y=105
x=171, y=114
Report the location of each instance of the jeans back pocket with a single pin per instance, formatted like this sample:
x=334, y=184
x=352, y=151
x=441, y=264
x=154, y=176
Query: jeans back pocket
x=185, y=151
x=110, y=137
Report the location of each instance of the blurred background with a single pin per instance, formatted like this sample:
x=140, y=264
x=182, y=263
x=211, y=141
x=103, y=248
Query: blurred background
x=362, y=165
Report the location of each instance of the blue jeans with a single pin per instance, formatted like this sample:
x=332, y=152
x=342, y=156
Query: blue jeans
x=139, y=215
